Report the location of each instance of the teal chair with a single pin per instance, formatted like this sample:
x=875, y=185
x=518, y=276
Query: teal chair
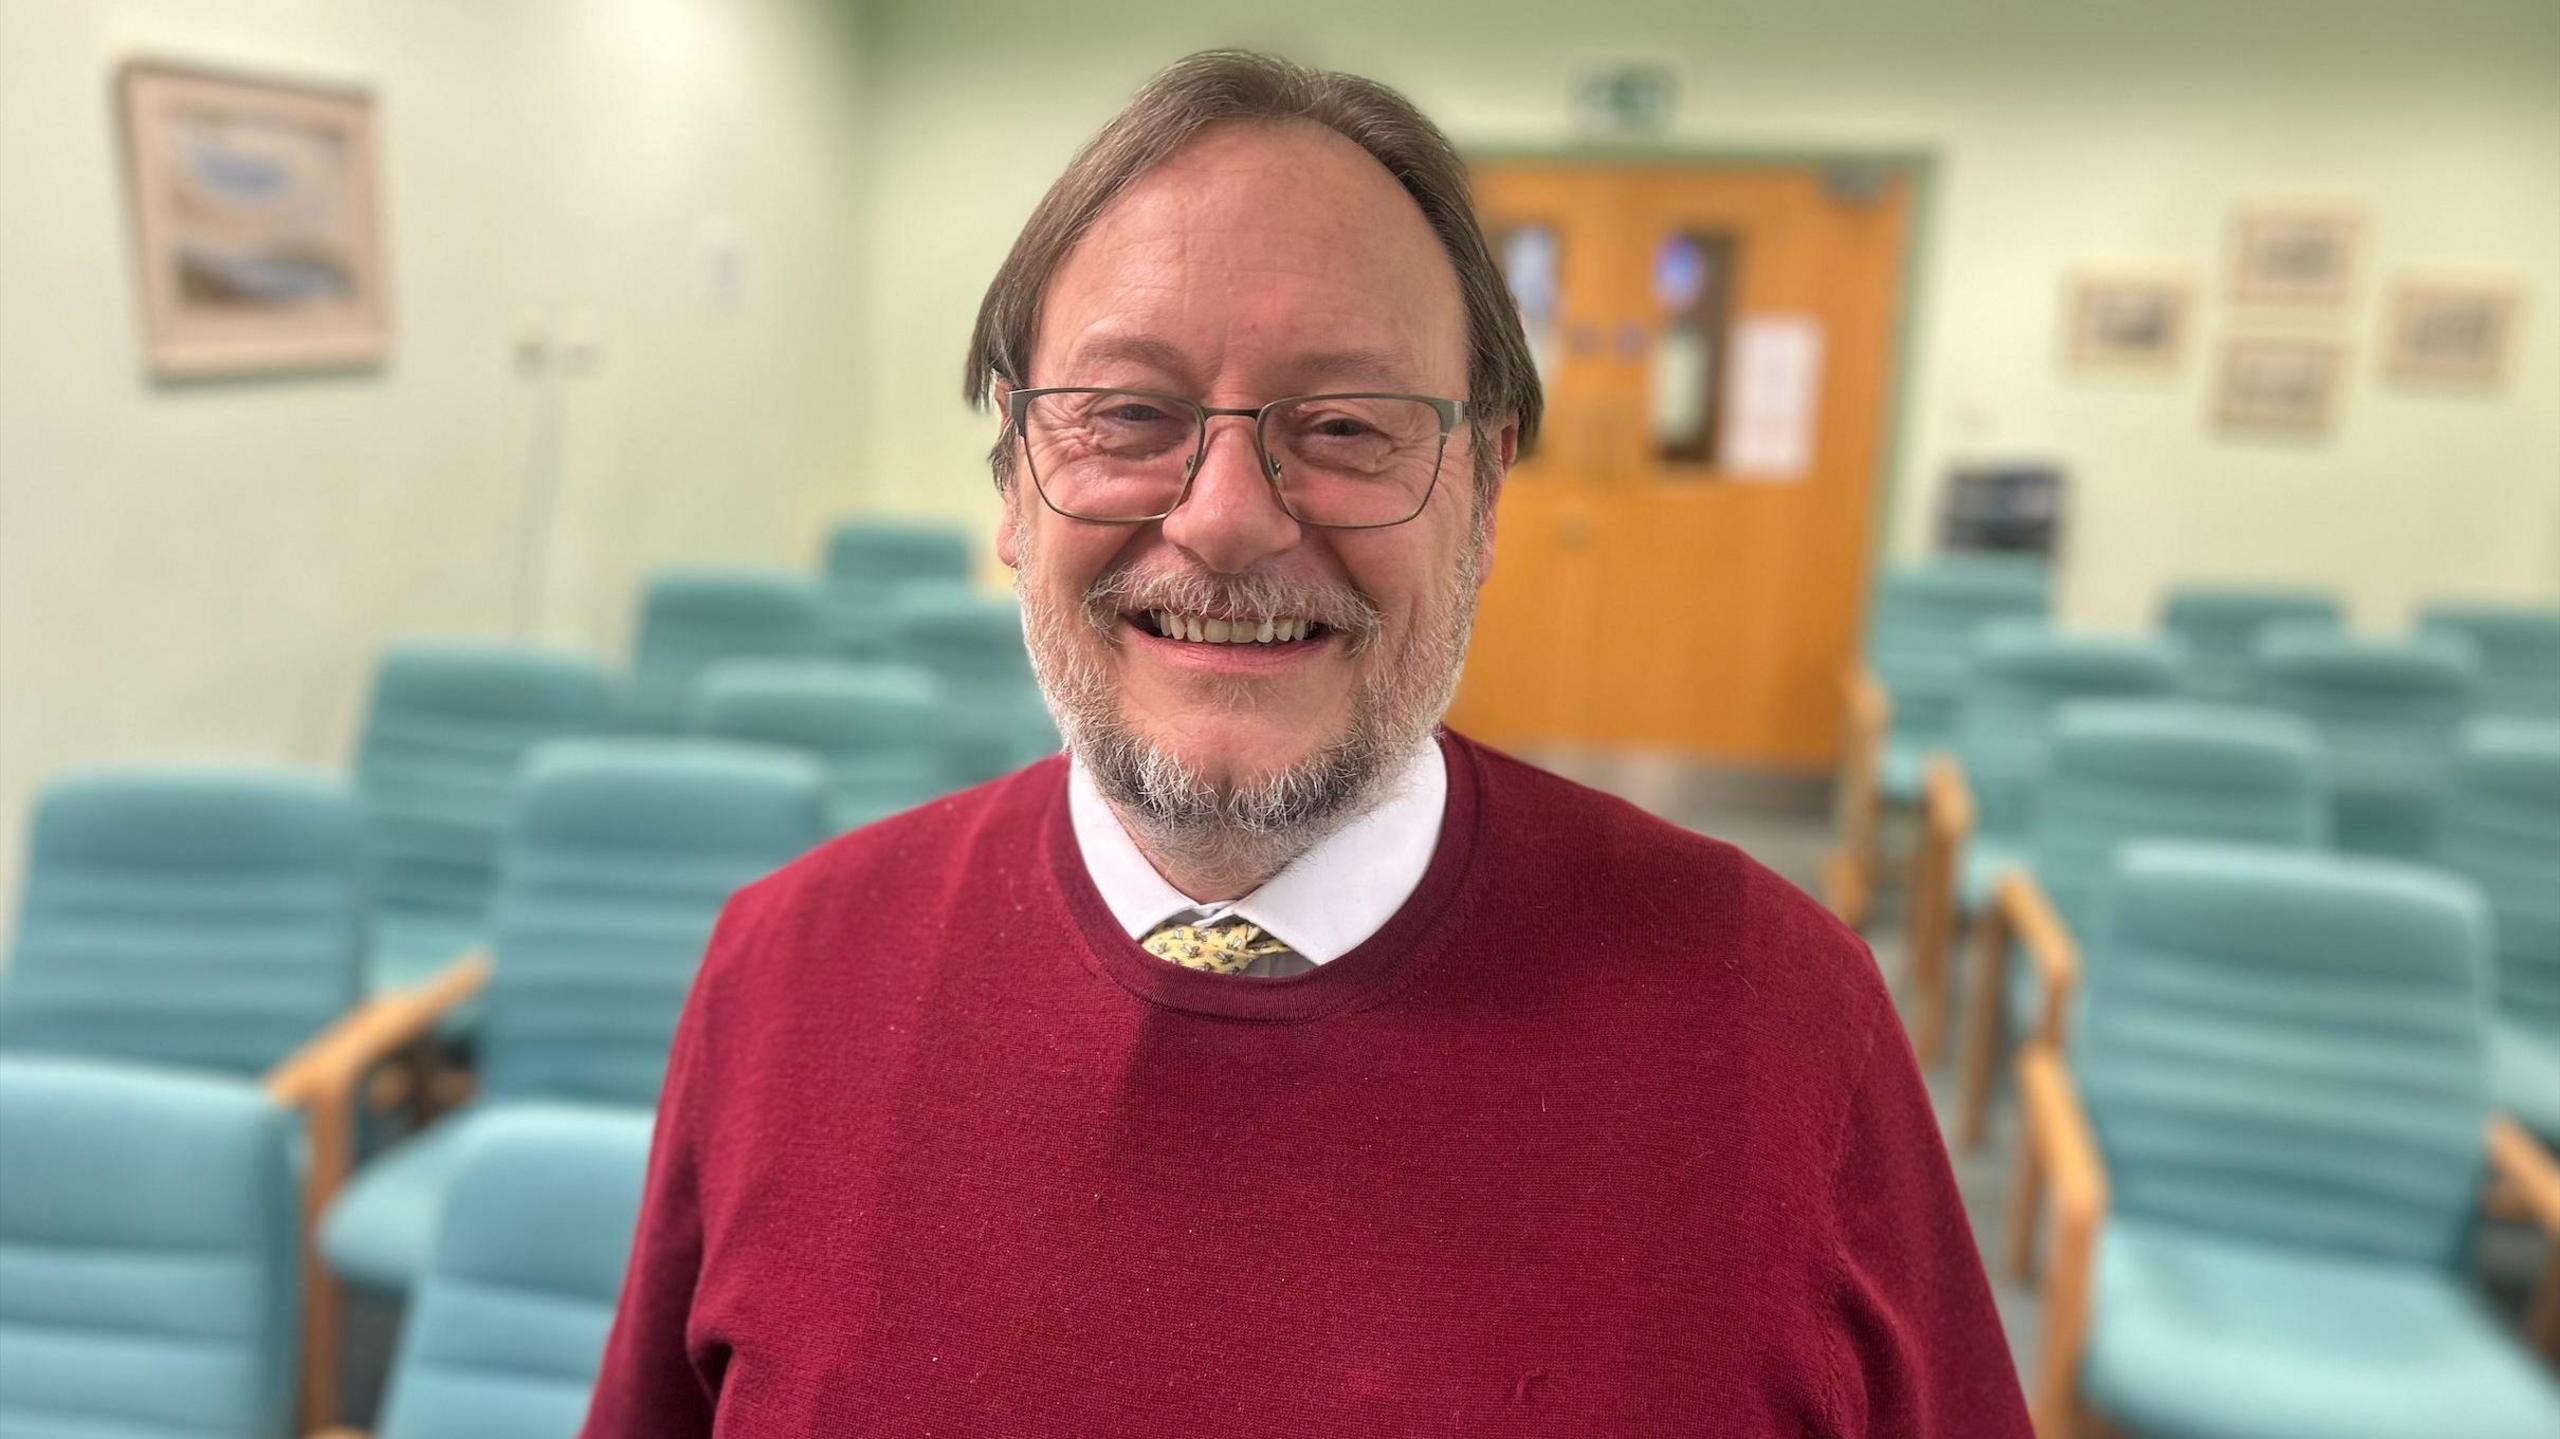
x=508, y=1325
x=869, y=560
x=2117, y=772
x=879, y=729
x=2500, y=827
x=149, y=1253
x=2388, y=709
x=2220, y=626
x=1978, y=810
x=619, y=859
x=1920, y=646
x=208, y=919
x=443, y=733
x=972, y=643
x=2265, y=1200
x=1900, y=697
x=2519, y=648
x=693, y=619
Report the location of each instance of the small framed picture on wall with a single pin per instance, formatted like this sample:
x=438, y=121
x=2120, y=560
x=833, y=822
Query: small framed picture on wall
x=255, y=222
x=2126, y=323
x=2295, y=255
x=2279, y=387
x=2458, y=334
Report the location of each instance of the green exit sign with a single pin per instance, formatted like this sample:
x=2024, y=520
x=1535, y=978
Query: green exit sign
x=1631, y=98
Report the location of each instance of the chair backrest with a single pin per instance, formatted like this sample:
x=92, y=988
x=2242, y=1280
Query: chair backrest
x=2519, y=648
x=203, y=918
x=508, y=1324
x=879, y=729
x=2022, y=671
x=973, y=643
x=1920, y=630
x=2500, y=827
x=692, y=619
x=149, y=1263
x=2290, y=1048
x=443, y=734
x=2118, y=771
x=869, y=560
x=2220, y=624
x=618, y=861
x=2388, y=710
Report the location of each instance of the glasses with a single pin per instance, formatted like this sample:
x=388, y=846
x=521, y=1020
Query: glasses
x=1344, y=462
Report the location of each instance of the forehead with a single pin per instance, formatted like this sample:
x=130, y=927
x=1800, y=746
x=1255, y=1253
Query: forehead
x=1258, y=256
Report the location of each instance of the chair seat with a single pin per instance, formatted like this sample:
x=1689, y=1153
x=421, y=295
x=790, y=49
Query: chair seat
x=1899, y=772
x=378, y=1232
x=1986, y=858
x=2202, y=1338
x=2524, y=1078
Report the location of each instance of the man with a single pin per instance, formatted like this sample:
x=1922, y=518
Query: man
x=1282, y=1065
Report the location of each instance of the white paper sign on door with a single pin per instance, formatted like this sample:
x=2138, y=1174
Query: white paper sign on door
x=1772, y=397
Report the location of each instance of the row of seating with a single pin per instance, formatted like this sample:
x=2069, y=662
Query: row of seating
x=2368, y=693
x=210, y=923
x=2292, y=1074
x=154, y=1267
x=528, y=861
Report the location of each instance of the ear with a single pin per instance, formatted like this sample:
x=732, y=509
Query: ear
x=1506, y=449
x=1000, y=389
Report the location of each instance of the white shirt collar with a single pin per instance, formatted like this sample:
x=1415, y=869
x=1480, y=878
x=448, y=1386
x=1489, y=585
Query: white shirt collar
x=1323, y=905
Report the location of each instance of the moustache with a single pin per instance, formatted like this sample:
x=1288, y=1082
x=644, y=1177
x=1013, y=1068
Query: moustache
x=1253, y=595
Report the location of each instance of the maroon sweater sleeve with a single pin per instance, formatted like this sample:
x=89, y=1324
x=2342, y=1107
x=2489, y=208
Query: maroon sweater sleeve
x=1921, y=1353
x=649, y=1384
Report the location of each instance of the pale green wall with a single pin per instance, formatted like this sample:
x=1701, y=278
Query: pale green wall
x=2067, y=135
x=209, y=570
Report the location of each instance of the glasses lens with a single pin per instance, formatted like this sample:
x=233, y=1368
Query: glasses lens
x=1109, y=455
x=1353, y=460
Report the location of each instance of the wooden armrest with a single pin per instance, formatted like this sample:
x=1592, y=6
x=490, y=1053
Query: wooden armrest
x=2529, y=1171
x=2075, y=1182
x=341, y=1433
x=1946, y=801
x=333, y=1063
x=1869, y=708
x=2026, y=913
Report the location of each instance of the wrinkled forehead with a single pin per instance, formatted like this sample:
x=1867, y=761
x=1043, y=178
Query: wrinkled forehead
x=1258, y=256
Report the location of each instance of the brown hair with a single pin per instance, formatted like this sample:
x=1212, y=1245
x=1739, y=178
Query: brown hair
x=1216, y=86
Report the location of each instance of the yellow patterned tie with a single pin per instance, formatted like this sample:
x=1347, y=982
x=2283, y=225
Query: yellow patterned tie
x=1225, y=947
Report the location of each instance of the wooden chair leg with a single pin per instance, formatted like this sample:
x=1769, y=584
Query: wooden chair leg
x=1985, y=1034
x=2026, y=1206
x=332, y=1144
x=2542, y=1316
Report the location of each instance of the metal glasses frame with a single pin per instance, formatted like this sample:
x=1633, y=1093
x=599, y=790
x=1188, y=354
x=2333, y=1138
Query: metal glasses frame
x=1018, y=402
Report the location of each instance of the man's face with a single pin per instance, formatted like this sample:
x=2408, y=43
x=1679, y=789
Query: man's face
x=1257, y=263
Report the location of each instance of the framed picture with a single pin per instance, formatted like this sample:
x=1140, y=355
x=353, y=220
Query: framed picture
x=2280, y=386
x=2127, y=322
x=255, y=219
x=2452, y=332
x=2295, y=255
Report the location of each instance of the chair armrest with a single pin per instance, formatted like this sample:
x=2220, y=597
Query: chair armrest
x=2530, y=1172
x=2025, y=912
x=1946, y=803
x=1869, y=708
x=2075, y=1180
x=333, y=1063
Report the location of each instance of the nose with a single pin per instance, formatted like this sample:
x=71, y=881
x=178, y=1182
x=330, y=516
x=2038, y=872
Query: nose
x=1231, y=519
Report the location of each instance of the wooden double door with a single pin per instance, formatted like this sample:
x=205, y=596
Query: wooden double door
x=1682, y=561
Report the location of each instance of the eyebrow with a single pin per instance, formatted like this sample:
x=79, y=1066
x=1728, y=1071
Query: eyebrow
x=1354, y=367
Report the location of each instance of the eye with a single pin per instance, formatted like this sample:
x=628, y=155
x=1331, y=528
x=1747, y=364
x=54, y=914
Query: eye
x=1132, y=412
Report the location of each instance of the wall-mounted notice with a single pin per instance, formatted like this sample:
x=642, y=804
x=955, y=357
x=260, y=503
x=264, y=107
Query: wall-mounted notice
x=1773, y=397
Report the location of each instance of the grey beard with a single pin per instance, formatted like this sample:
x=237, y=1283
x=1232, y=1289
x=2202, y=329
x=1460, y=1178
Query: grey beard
x=1257, y=828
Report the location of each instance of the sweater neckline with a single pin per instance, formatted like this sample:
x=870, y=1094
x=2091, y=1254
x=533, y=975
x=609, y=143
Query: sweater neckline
x=1365, y=971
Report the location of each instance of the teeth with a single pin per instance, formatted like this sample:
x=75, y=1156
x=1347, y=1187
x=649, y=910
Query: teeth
x=1199, y=630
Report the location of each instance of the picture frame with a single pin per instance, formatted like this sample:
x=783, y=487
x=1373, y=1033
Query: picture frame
x=2127, y=323
x=2452, y=332
x=2280, y=386
x=257, y=233
x=2296, y=255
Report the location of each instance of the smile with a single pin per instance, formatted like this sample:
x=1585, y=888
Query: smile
x=1227, y=630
